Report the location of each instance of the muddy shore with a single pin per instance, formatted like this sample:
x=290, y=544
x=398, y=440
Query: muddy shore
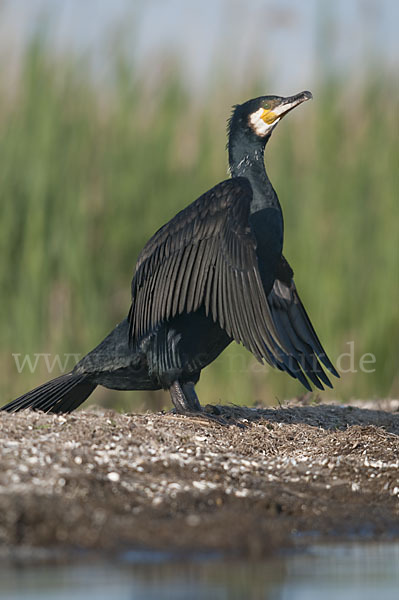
x=103, y=481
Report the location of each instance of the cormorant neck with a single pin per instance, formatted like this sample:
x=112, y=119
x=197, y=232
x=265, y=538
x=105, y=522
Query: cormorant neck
x=246, y=159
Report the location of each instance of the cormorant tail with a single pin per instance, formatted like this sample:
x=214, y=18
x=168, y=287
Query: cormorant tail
x=60, y=395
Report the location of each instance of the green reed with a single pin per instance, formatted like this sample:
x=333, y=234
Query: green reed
x=88, y=172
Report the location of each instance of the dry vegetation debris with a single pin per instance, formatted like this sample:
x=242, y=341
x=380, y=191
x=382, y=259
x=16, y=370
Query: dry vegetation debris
x=103, y=480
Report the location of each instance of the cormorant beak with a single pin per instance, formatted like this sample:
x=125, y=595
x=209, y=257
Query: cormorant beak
x=287, y=104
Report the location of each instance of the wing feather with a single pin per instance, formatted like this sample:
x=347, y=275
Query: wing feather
x=295, y=329
x=206, y=256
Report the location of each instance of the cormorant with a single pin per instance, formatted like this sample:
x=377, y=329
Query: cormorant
x=213, y=274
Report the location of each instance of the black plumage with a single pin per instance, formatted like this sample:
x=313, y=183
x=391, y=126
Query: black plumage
x=213, y=274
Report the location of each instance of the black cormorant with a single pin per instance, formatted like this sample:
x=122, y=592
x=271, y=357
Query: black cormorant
x=213, y=274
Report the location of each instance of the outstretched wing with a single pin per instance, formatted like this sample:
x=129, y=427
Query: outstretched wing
x=295, y=330
x=206, y=257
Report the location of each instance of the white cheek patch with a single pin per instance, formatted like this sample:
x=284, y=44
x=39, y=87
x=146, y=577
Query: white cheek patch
x=258, y=124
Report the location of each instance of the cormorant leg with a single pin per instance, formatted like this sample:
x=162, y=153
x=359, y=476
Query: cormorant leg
x=183, y=402
x=190, y=394
x=186, y=402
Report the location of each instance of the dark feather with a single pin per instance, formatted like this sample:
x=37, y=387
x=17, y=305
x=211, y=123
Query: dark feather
x=295, y=329
x=63, y=394
x=206, y=256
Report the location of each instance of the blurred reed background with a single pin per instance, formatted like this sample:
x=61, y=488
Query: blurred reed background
x=89, y=170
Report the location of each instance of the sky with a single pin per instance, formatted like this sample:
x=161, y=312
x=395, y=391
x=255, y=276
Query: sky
x=276, y=40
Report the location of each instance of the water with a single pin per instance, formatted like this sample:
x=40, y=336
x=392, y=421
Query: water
x=347, y=572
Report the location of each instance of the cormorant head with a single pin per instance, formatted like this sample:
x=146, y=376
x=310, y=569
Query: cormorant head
x=261, y=115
